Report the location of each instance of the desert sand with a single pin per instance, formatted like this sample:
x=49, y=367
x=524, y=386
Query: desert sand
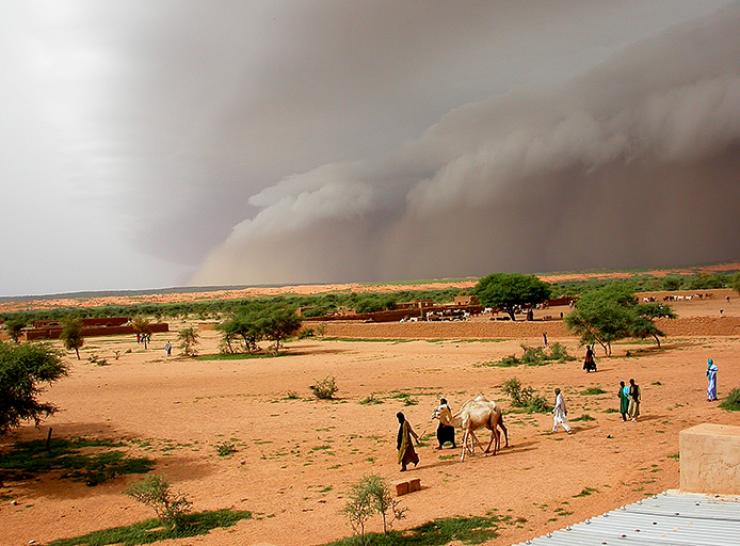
x=297, y=459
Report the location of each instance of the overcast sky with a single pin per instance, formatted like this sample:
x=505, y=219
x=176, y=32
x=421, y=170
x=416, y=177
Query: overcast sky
x=149, y=144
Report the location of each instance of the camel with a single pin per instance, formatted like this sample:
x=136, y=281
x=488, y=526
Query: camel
x=480, y=413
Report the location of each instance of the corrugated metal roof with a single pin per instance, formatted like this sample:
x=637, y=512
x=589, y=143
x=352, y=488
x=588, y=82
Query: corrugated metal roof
x=668, y=519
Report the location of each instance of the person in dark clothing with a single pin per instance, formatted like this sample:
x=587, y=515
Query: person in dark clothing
x=589, y=363
x=445, y=429
x=406, y=452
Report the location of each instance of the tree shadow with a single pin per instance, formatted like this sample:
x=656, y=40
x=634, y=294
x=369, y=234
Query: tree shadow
x=83, y=459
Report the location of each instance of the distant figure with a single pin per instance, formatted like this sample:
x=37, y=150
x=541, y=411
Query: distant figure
x=561, y=315
x=727, y=298
x=589, y=363
x=544, y=338
x=711, y=380
x=721, y=312
x=445, y=429
x=530, y=315
x=405, y=446
x=560, y=413
x=624, y=400
x=168, y=348
x=635, y=397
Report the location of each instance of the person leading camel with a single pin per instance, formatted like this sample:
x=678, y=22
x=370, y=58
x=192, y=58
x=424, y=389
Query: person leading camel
x=406, y=452
x=446, y=428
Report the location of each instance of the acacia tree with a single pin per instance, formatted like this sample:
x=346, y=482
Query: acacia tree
x=71, y=335
x=188, y=338
x=612, y=312
x=735, y=282
x=22, y=369
x=14, y=327
x=279, y=324
x=510, y=290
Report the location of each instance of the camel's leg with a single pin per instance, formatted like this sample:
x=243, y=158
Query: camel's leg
x=506, y=432
x=464, y=445
x=472, y=433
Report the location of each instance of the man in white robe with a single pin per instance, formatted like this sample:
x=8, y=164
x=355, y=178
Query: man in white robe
x=560, y=413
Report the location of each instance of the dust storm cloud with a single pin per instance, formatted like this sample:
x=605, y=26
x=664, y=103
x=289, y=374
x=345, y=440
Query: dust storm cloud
x=636, y=161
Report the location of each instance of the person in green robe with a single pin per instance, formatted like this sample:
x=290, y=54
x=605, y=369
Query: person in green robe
x=406, y=452
x=624, y=399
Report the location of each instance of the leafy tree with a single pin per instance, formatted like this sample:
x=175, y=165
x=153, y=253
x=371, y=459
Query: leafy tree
x=143, y=328
x=22, y=368
x=71, y=335
x=671, y=282
x=510, y=290
x=372, y=495
x=610, y=313
x=279, y=324
x=14, y=327
x=188, y=338
x=735, y=282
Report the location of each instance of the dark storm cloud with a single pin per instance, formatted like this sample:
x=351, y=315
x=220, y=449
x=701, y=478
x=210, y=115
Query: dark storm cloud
x=633, y=162
x=269, y=141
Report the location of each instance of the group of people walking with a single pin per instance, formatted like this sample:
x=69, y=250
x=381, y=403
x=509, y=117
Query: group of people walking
x=630, y=397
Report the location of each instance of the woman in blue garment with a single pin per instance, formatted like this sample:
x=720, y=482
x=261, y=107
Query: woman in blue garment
x=711, y=380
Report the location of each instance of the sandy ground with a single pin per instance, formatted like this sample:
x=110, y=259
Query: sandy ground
x=11, y=305
x=297, y=459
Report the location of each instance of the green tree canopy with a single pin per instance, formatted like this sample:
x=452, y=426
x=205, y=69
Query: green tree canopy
x=14, y=327
x=71, y=335
x=279, y=324
x=612, y=312
x=188, y=338
x=22, y=368
x=509, y=290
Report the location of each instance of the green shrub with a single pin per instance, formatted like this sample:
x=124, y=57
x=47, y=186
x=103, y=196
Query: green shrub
x=155, y=492
x=325, y=389
x=591, y=391
x=224, y=449
x=732, y=402
x=525, y=397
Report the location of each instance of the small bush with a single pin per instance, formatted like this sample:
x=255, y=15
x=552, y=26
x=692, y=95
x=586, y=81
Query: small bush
x=325, y=389
x=372, y=495
x=370, y=400
x=154, y=491
x=292, y=395
x=525, y=397
x=584, y=417
x=98, y=361
x=224, y=449
x=732, y=402
x=308, y=332
x=559, y=353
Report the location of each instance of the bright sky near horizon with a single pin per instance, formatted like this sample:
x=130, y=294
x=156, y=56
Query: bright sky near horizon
x=151, y=144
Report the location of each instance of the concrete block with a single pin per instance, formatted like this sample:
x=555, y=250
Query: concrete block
x=710, y=459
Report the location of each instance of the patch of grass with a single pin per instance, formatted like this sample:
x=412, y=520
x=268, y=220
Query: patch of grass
x=149, y=531
x=591, y=391
x=533, y=356
x=241, y=356
x=674, y=456
x=439, y=532
x=29, y=459
x=292, y=395
x=586, y=491
x=611, y=410
x=371, y=400
x=584, y=417
x=732, y=402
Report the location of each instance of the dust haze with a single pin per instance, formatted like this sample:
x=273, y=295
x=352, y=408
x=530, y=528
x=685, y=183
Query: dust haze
x=635, y=161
